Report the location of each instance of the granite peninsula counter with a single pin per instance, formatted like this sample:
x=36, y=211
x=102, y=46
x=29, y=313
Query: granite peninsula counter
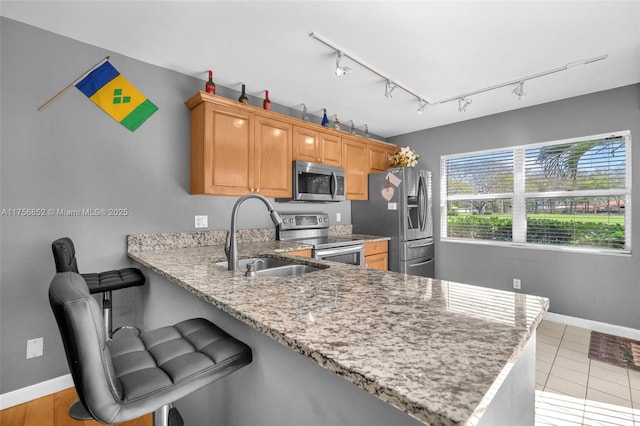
x=436, y=350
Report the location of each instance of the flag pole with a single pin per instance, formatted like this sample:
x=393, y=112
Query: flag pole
x=63, y=91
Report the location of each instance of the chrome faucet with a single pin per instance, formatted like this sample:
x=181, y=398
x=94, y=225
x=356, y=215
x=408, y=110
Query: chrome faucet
x=231, y=245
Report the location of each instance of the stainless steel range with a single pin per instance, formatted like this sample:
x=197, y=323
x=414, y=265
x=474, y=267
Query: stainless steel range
x=313, y=229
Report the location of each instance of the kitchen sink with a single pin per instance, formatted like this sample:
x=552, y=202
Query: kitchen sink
x=287, y=270
x=273, y=267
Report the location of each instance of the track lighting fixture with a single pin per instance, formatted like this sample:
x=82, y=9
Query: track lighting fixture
x=389, y=88
x=463, y=103
x=519, y=91
x=340, y=71
x=421, y=105
x=463, y=99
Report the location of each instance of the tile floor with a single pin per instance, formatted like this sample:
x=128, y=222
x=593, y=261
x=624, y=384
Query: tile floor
x=573, y=390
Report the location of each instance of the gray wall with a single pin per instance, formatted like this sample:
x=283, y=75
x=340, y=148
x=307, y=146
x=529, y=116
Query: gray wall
x=596, y=287
x=73, y=156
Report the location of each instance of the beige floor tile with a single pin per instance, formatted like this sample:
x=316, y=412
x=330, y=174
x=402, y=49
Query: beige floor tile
x=582, y=367
x=541, y=378
x=577, y=331
x=558, y=417
x=616, y=389
x=618, y=376
x=564, y=387
x=611, y=395
x=551, y=340
x=552, y=332
x=608, y=413
x=562, y=404
x=546, y=347
x=583, y=340
x=576, y=356
x=634, y=379
x=595, y=396
x=569, y=375
x=550, y=420
x=606, y=421
x=543, y=366
x=573, y=346
x=545, y=356
x=607, y=366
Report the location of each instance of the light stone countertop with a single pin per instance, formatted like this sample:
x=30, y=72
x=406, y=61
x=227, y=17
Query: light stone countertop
x=434, y=349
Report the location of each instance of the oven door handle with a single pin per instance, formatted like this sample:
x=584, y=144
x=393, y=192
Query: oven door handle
x=340, y=250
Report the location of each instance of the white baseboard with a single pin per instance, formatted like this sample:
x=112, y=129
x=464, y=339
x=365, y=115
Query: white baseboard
x=20, y=396
x=602, y=327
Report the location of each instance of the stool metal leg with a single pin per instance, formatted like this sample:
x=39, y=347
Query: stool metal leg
x=106, y=312
x=167, y=415
x=161, y=416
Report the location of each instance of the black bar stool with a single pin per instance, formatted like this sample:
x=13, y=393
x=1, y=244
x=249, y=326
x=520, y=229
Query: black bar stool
x=64, y=254
x=126, y=378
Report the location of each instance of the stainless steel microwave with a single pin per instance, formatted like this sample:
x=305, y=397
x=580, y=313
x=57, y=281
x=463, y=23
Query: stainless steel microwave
x=317, y=182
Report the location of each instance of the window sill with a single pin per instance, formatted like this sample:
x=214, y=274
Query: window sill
x=565, y=249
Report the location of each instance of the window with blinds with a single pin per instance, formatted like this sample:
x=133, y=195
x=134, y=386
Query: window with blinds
x=566, y=194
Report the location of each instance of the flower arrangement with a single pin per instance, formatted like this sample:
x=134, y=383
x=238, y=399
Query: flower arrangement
x=406, y=157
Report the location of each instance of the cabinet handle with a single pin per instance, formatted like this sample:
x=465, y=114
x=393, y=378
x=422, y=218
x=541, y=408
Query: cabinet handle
x=257, y=189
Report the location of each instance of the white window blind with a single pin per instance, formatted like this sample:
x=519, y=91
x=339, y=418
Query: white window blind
x=573, y=193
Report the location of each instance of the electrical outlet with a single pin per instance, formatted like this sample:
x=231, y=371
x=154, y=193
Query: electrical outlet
x=516, y=283
x=35, y=347
x=202, y=221
x=338, y=217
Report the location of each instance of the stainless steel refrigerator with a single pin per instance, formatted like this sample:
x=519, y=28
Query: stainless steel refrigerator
x=400, y=207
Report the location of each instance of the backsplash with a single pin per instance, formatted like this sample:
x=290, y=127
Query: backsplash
x=167, y=240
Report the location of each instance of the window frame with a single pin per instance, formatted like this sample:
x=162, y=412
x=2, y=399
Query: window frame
x=519, y=197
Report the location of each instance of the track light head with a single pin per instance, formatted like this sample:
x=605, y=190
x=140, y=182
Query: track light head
x=389, y=88
x=421, y=105
x=463, y=103
x=340, y=71
x=519, y=91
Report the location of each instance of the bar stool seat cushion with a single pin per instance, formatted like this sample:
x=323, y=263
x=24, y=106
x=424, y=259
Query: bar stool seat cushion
x=113, y=280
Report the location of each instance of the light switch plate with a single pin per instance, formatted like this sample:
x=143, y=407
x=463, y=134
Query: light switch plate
x=338, y=217
x=35, y=347
x=202, y=221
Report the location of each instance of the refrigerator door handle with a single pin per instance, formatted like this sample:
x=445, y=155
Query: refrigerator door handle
x=420, y=264
x=411, y=246
x=422, y=210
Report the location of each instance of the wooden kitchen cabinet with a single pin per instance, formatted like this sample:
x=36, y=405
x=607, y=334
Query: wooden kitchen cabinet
x=376, y=255
x=316, y=146
x=235, y=151
x=356, y=168
x=378, y=155
x=272, y=154
x=238, y=149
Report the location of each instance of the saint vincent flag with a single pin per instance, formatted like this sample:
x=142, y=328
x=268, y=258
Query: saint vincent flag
x=108, y=89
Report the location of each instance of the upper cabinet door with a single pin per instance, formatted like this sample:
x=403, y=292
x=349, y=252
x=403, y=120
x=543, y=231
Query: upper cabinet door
x=355, y=163
x=221, y=150
x=273, y=146
x=331, y=149
x=306, y=145
x=316, y=146
x=379, y=156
